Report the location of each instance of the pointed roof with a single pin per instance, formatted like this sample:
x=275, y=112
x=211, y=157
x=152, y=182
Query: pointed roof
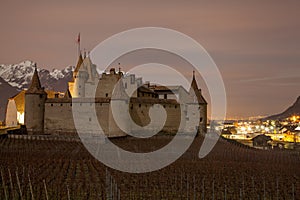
x=194, y=90
x=79, y=62
x=68, y=94
x=35, y=86
x=119, y=91
x=87, y=66
x=194, y=83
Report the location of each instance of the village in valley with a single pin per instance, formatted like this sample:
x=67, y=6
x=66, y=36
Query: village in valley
x=264, y=134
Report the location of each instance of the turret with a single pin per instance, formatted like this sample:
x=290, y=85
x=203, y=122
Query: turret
x=120, y=113
x=80, y=76
x=196, y=107
x=35, y=98
x=90, y=69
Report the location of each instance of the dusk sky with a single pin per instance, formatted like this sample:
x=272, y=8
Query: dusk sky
x=255, y=44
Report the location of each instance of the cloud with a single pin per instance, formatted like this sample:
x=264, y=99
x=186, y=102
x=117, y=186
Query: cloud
x=295, y=78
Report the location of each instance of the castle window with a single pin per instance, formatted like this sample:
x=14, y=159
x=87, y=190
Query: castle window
x=41, y=96
x=131, y=106
x=79, y=86
x=132, y=79
x=90, y=119
x=106, y=94
x=175, y=106
x=70, y=104
x=61, y=104
x=201, y=119
x=165, y=96
x=164, y=106
x=80, y=104
x=140, y=105
x=51, y=104
x=39, y=105
x=199, y=108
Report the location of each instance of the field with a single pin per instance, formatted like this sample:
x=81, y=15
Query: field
x=33, y=169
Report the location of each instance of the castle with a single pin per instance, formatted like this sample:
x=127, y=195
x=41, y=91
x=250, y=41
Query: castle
x=48, y=112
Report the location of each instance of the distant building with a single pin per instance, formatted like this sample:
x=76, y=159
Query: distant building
x=291, y=133
x=51, y=112
x=262, y=141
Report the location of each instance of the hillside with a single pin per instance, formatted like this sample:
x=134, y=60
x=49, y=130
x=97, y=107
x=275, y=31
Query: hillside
x=292, y=110
x=6, y=91
x=69, y=171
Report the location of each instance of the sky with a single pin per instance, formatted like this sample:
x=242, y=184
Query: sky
x=255, y=44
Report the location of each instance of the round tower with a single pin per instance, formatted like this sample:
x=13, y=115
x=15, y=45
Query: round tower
x=35, y=98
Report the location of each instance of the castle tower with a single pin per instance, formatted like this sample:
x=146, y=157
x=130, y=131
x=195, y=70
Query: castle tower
x=119, y=101
x=80, y=76
x=91, y=69
x=35, y=98
x=91, y=76
x=196, y=107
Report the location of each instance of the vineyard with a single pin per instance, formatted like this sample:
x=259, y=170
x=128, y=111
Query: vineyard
x=32, y=169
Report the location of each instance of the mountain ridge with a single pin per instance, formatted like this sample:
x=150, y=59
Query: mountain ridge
x=294, y=109
x=17, y=77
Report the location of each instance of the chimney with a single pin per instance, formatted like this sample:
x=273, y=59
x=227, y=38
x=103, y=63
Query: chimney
x=112, y=71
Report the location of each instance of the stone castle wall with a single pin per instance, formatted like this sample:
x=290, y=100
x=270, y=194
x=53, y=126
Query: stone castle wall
x=59, y=117
x=139, y=113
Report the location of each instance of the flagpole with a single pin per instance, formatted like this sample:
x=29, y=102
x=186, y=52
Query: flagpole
x=78, y=41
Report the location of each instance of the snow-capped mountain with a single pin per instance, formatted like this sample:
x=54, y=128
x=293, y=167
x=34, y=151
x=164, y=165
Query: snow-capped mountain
x=19, y=76
x=16, y=77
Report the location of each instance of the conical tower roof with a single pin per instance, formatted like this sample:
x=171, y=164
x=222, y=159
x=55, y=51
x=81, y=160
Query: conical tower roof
x=194, y=85
x=68, y=94
x=195, y=92
x=119, y=91
x=35, y=86
x=79, y=63
x=87, y=66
